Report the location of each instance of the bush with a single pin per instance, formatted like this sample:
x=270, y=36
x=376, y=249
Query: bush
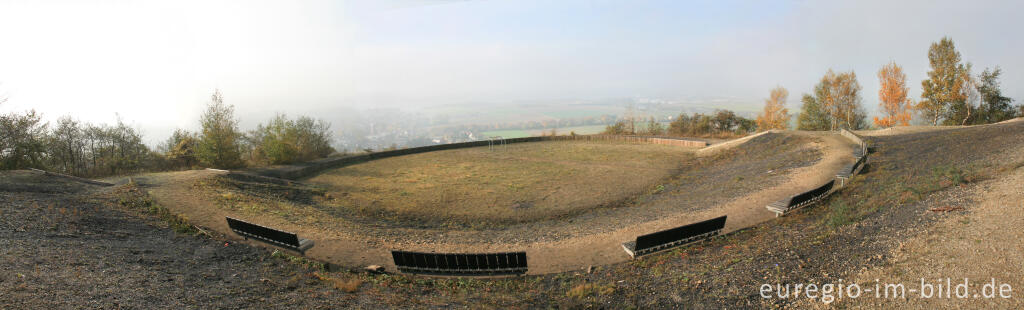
x=721, y=123
x=283, y=140
x=73, y=147
x=22, y=143
x=220, y=141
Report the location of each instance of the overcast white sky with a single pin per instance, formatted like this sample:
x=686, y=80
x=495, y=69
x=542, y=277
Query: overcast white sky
x=156, y=63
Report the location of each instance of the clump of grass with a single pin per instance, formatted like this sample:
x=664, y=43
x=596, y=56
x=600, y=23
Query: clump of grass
x=298, y=260
x=350, y=285
x=590, y=289
x=839, y=214
x=951, y=174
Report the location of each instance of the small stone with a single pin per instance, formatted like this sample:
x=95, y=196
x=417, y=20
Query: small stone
x=374, y=268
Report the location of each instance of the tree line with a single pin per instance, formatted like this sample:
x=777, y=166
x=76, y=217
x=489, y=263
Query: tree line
x=721, y=123
x=70, y=146
x=951, y=95
x=85, y=149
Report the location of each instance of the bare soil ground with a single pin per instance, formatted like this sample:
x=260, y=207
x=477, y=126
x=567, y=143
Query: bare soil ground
x=978, y=239
x=65, y=245
x=855, y=234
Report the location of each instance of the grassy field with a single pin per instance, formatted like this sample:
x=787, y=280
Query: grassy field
x=524, y=182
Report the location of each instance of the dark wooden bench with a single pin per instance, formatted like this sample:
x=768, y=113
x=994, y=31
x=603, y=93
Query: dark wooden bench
x=842, y=176
x=667, y=239
x=851, y=170
x=269, y=235
x=801, y=200
x=858, y=165
x=485, y=264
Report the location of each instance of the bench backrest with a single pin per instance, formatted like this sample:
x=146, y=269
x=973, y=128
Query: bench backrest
x=803, y=197
x=448, y=263
x=679, y=233
x=263, y=232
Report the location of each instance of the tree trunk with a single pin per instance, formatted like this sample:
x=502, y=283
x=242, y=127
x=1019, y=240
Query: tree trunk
x=968, y=116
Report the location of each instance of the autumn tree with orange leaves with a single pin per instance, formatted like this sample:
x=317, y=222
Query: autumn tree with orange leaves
x=775, y=115
x=892, y=97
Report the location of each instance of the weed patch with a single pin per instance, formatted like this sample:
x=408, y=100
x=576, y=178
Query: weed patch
x=133, y=198
x=349, y=285
x=839, y=213
x=299, y=261
x=590, y=289
x=950, y=174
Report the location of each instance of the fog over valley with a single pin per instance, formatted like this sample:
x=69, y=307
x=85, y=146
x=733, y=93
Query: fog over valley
x=390, y=72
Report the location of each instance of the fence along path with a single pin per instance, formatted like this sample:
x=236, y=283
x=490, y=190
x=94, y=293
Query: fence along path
x=73, y=178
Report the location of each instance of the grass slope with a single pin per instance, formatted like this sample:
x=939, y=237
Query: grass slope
x=524, y=182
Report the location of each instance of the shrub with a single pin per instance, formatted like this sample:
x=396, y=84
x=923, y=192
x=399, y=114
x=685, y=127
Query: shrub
x=220, y=141
x=283, y=140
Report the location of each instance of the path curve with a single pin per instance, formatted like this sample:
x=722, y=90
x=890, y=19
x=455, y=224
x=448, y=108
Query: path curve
x=175, y=192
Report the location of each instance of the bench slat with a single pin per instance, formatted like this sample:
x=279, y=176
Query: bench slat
x=269, y=235
x=674, y=237
x=461, y=263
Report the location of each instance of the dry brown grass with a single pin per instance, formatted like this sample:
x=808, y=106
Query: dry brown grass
x=585, y=290
x=526, y=182
x=349, y=285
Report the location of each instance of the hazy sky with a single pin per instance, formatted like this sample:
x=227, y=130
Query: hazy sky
x=156, y=63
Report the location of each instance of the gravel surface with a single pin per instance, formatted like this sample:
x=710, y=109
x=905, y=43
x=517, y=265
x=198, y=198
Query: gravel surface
x=69, y=246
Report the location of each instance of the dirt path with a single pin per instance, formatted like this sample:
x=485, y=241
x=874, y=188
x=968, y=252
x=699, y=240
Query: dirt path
x=174, y=191
x=350, y=249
